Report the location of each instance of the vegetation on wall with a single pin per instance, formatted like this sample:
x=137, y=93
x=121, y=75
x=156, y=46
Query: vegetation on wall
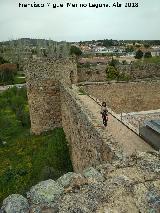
x=27, y=159
x=113, y=74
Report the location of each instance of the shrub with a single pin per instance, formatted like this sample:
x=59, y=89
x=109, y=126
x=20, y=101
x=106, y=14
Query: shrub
x=112, y=73
x=75, y=51
x=2, y=60
x=7, y=73
x=86, y=65
x=139, y=54
x=113, y=62
x=147, y=55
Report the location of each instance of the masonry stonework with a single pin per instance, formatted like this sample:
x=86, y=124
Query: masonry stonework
x=54, y=102
x=43, y=79
x=114, y=183
x=139, y=71
x=89, y=144
x=92, y=74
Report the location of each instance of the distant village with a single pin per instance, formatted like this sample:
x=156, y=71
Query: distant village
x=93, y=52
x=122, y=51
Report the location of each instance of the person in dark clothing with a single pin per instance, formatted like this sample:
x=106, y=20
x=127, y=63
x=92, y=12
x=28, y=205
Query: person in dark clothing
x=104, y=113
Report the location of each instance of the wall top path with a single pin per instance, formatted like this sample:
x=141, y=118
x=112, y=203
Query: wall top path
x=127, y=140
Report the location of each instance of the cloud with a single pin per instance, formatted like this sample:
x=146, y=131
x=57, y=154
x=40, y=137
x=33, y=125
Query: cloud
x=75, y=24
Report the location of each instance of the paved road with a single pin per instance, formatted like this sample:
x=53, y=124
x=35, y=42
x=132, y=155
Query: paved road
x=3, y=88
x=127, y=139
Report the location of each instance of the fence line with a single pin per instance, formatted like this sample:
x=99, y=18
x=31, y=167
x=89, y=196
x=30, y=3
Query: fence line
x=117, y=116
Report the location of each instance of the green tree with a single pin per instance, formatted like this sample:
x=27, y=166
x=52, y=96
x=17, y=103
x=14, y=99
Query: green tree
x=7, y=73
x=2, y=60
x=113, y=62
x=112, y=73
x=139, y=54
x=129, y=49
x=146, y=45
x=75, y=51
x=124, y=62
x=148, y=55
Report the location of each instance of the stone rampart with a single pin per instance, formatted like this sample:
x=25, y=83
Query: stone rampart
x=140, y=71
x=92, y=74
x=89, y=144
x=135, y=71
x=43, y=77
x=130, y=185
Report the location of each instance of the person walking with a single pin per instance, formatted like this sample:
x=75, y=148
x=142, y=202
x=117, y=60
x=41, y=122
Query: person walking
x=104, y=112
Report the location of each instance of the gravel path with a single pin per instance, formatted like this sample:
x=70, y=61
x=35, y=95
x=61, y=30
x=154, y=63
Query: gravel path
x=127, y=139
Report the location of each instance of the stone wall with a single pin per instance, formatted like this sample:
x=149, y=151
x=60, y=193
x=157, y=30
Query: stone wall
x=98, y=73
x=140, y=71
x=89, y=144
x=43, y=77
x=63, y=70
x=45, y=106
x=53, y=104
x=92, y=74
x=130, y=185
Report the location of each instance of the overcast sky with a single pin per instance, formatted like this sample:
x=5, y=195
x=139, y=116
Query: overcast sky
x=75, y=24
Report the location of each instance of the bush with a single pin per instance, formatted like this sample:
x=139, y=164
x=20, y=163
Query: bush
x=113, y=62
x=147, y=55
x=7, y=73
x=75, y=51
x=87, y=65
x=2, y=60
x=114, y=74
x=139, y=54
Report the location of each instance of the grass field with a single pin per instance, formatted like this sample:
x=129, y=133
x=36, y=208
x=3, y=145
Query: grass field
x=27, y=159
x=155, y=60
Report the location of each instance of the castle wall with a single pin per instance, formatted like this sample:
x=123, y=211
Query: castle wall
x=98, y=73
x=140, y=71
x=45, y=105
x=43, y=77
x=89, y=145
x=55, y=103
x=92, y=74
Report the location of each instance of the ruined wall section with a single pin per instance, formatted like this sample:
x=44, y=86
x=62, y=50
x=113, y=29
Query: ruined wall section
x=92, y=74
x=89, y=144
x=134, y=71
x=43, y=78
x=44, y=103
x=140, y=71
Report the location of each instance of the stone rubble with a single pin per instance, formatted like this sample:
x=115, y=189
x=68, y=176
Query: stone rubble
x=130, y=185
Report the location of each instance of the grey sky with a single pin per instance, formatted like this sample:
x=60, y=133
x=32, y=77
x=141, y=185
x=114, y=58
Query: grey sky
x=74, y=24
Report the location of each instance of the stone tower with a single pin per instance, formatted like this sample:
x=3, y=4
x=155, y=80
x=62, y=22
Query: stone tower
x=44, y=78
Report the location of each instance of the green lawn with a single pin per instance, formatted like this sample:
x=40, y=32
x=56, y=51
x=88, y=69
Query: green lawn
x=19, y=79
x=155, y=60
x=27, y=159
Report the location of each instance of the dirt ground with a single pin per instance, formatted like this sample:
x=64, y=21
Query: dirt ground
x=128, y=97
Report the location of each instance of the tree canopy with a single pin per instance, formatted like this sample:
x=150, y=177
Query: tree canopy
x=139, y=54
x=75, y=51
